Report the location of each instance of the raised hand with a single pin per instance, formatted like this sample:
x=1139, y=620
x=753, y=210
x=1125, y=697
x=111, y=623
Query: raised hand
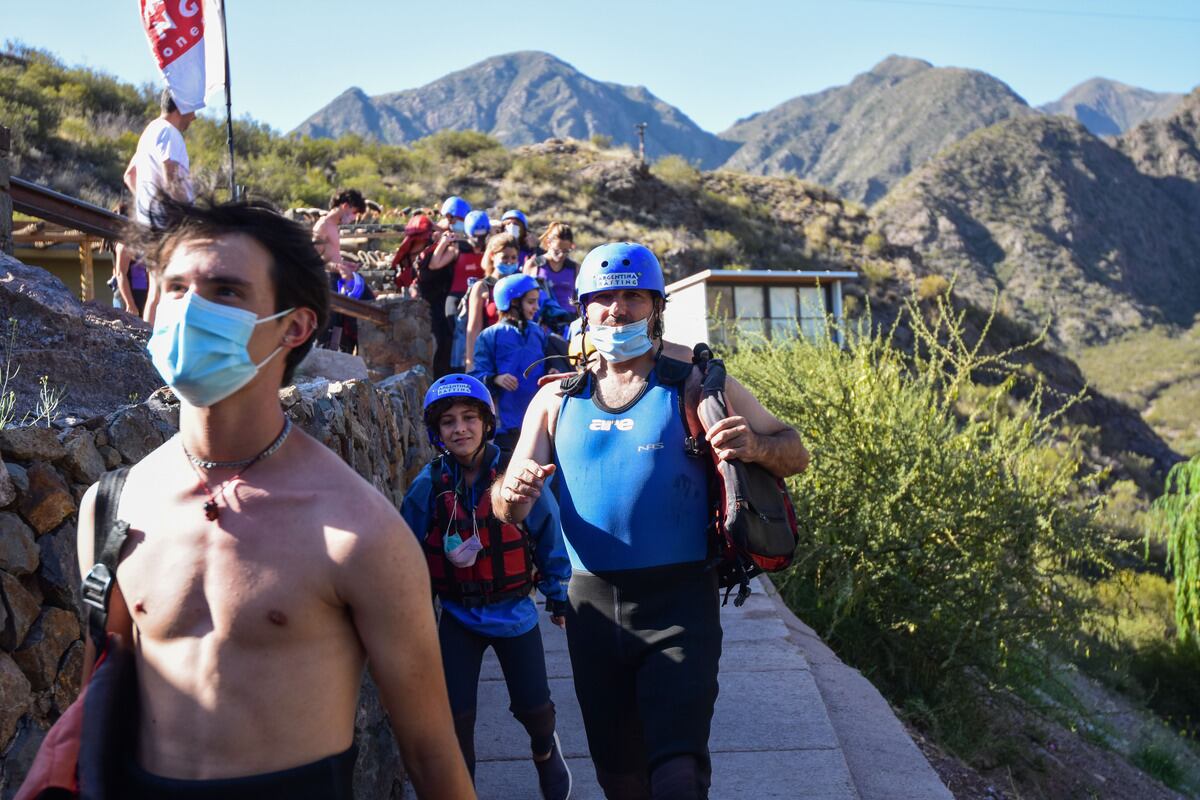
x=524, y=480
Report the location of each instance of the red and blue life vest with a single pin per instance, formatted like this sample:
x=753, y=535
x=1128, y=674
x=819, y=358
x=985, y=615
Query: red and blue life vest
x=504, y=567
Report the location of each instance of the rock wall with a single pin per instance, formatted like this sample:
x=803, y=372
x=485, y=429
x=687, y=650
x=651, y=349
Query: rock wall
x=404, y=343
x=43, y=475
x=96, y=355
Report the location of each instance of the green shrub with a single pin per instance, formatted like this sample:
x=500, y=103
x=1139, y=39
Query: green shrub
x=931, y=286
x=939, y=547
x=675, y=171
x=445, y=145
x=602, y=140
x=1177, y=519
x=874, y=243
x=1160, y=764
x=533, y=169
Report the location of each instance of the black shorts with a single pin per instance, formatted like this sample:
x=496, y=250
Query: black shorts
x=330, y=778
x=645, y=649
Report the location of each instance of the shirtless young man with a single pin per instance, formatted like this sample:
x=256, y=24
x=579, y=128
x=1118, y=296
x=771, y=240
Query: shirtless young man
x=253, y=602
x=343, y=208
x=635, y=511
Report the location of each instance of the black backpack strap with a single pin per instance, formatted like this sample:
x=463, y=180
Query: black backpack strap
x=109, y=535
x=573, y=385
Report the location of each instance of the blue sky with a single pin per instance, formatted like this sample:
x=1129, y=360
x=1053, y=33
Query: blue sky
x=717, y=61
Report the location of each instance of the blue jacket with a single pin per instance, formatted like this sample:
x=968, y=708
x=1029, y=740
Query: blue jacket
x=507, y=617
x=502, y=348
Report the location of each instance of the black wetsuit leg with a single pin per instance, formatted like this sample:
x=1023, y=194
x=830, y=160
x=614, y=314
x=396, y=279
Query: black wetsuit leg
x=523, y=661
x=645, y=648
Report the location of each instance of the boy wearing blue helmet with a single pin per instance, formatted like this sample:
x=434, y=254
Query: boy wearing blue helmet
x=506, y=351
x=483, y=571
x=635, y=513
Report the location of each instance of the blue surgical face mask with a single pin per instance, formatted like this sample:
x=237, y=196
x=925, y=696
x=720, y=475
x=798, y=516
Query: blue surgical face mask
x=619, y=343
x=459, y=227
x=199, y=348
x=513, y=231
x=507, y=267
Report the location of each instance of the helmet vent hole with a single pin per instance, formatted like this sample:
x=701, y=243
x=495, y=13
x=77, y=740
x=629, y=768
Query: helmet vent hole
x=626, y=262
x=603, y=264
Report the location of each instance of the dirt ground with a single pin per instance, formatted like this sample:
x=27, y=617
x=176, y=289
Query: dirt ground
x=1054, y=764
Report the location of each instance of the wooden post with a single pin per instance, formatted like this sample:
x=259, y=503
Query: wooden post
x=6, y=208
x=87, y=277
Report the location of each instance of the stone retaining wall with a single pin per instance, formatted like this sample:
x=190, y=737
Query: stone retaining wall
x=43, y=475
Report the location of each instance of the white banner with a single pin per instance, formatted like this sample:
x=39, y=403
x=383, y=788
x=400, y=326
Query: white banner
x=185, y=40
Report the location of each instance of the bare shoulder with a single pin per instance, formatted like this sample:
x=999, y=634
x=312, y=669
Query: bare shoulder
x=344, y=493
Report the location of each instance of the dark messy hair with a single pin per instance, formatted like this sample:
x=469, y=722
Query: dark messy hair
x=167, y=103
x=352, y=196
x=433, y=416
x=297, y=269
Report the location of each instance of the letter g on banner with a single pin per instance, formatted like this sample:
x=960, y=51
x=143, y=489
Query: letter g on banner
x=175, y=31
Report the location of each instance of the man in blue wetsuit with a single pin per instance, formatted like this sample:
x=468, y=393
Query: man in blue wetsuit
x=643, y=622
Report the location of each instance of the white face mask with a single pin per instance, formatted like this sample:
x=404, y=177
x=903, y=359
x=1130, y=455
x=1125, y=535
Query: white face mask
x=199, y=348
x=617, y=343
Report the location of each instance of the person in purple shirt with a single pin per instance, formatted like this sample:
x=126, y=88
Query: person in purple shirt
x=554, y=266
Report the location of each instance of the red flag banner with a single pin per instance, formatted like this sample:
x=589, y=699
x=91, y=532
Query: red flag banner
x=175, y=32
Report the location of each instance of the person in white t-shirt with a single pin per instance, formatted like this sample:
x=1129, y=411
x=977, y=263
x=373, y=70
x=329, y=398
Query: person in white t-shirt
x=160, y=166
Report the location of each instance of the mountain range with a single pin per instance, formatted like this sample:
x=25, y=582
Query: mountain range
x=1098, y=238
x=859, y=139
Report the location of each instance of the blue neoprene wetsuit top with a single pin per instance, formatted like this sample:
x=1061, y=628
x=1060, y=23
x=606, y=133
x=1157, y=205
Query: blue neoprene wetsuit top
x=630, y=496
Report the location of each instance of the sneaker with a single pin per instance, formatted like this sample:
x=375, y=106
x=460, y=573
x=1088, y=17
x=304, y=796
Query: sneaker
x=554, y=779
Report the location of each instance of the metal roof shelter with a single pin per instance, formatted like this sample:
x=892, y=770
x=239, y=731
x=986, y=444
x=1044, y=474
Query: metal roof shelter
x=717, y=304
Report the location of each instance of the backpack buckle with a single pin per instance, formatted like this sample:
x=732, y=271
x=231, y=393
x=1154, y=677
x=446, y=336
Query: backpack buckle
x=693, y=447
x=97, y=587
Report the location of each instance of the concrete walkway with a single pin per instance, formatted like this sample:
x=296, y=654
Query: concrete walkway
x=772, y=735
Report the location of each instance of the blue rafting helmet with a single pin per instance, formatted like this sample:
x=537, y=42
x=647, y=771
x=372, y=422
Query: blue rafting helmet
x=454, y=386
x=516, y=214
x=455, y=206
x=619, y=265
x=477, y=224
x=512, y=288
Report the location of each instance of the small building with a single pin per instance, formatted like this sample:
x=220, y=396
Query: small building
x=716, y=305
x=84, y=263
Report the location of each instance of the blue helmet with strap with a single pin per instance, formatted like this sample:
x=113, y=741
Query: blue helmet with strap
x=619, y=265
x=477, y=224
x=457, y=386
x=455, y=206
x=518, y=215
x=512, y=288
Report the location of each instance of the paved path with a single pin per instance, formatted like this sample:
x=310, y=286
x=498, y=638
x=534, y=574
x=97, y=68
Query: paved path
x=772, y=735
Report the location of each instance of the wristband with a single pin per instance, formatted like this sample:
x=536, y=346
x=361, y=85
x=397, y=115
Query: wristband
x=557, y=608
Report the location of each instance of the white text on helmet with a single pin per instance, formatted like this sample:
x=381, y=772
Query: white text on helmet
x=617, y=280
x=453, y=388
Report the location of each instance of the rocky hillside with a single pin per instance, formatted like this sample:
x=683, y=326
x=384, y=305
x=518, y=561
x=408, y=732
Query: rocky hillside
x=1069, y=228
x=1168, y=148
x=1110, y=108
x=520, y=98
x=862, y=138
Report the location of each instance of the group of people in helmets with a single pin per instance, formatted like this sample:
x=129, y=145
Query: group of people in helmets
x=579, y=485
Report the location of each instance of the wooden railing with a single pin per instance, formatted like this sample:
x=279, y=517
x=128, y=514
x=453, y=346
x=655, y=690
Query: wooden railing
x=92, y=220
